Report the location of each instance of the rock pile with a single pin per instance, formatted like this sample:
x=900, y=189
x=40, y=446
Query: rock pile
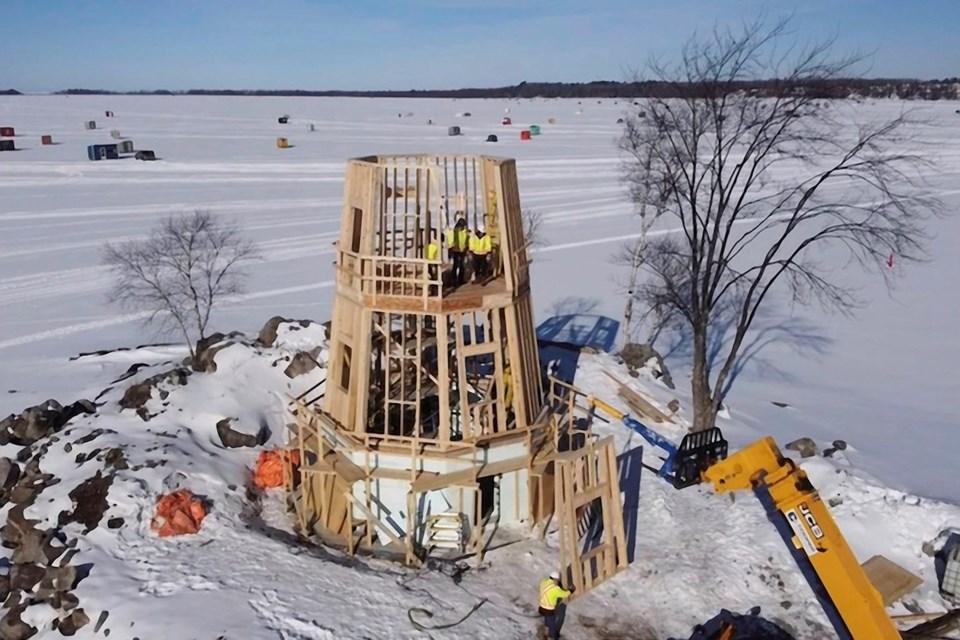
x=636, y=356
x=40, y=421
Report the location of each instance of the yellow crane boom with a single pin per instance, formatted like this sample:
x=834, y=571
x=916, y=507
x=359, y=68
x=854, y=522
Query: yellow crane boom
x=851, y=603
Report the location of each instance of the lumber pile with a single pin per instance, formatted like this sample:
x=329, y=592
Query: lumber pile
x=638, y=403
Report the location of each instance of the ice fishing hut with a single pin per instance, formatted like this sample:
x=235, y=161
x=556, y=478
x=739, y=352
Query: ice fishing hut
x=108, y=114
x=125, y=146
x=145, y=154
x=506, y=121
x=102, y=152
x=492, y=137
x=115, y=134
x=283, y=119
x=534, y=129
x=435, y=427
x=283, y=143
x=525, y=134
x=46, y=140
x=8, y=145
x=89, y=125
x=7, y=132
x=453, y=131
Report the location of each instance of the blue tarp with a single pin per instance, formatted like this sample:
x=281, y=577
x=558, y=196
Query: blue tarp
x=580, y=329
x=558, y=360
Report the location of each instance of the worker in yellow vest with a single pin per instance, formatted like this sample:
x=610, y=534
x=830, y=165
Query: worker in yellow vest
x=457, y=244
x=480, y=247
x=432, y=254
x=433, y=247
x=553, y=606
x=508, y=387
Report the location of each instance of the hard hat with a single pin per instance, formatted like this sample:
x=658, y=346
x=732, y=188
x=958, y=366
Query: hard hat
x=555, y=575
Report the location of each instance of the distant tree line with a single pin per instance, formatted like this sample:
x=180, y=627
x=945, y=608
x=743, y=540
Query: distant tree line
x=905, y=89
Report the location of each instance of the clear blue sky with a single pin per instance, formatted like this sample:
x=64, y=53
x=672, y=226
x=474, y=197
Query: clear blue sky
x=404, y=44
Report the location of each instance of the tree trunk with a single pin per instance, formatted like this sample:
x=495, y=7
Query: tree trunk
x=704, y=408
x=627, y=332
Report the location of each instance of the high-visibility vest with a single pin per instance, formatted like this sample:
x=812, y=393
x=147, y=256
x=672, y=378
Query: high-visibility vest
x=551, y=593
x=433, y=250
x=457, y=239
x=480, y=246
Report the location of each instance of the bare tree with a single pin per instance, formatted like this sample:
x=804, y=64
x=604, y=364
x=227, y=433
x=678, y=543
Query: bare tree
x=533, y=228
x=762, y=188
x=650, y=205
x=185, y=267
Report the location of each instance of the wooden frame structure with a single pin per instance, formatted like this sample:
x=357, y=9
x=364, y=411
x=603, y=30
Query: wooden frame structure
x=434, y=418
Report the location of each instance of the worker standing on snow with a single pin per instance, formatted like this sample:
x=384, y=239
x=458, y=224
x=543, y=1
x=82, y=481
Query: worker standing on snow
x=553, y=607
x=457, y=241
x=480, y=250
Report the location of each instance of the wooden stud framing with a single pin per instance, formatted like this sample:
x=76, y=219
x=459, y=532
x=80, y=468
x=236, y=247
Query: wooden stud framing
x=408, y=353
x=588, y=493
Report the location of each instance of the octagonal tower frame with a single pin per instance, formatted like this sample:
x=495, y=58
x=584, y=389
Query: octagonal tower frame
x=434, y=422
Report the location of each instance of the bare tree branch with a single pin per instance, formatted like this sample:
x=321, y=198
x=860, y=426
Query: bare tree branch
x=186, y=266
x=533, y=221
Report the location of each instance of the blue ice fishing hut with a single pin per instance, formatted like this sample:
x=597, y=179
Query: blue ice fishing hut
x=103, y=152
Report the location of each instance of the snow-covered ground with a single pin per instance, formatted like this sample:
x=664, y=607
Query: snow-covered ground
x=885, y=381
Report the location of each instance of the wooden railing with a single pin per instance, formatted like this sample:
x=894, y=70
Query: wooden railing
x=572, y=412
x=389, y=276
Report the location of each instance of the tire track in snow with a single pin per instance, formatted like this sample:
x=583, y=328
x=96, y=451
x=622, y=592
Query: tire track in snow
x=107, y=322
x=60, y=332
x=70, y=282
x=170, y=207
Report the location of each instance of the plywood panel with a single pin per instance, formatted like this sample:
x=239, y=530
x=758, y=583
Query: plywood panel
x=890, y=579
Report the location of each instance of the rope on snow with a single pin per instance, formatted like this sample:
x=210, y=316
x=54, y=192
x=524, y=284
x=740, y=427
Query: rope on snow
x=429, y=614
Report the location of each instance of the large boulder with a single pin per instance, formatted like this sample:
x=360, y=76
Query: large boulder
x=636, y=356
x=204, y=359
x=268, y=334
x=233, y=439
x=89, y=501
x=16, y=526
x=40, y=421
x=26, y=576
x=72, y=623
x=303, y=362
x=12, y=627
x=9, y=473
x=31, y=548
x=137, y=395
x=806, y=447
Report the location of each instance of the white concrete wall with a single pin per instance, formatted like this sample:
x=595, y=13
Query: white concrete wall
x=514, y=497
x=390, y=495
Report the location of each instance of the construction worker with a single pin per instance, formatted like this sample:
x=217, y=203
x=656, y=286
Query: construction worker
x=480, y=250
x=457, y=244
x=432, y=254
x=508, y=387
x=553, y=607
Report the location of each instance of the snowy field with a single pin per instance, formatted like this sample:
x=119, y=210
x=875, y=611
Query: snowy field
x=884, y=381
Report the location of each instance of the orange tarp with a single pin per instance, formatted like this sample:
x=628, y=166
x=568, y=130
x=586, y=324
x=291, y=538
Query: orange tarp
x=178, y=513
x=271, y=465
